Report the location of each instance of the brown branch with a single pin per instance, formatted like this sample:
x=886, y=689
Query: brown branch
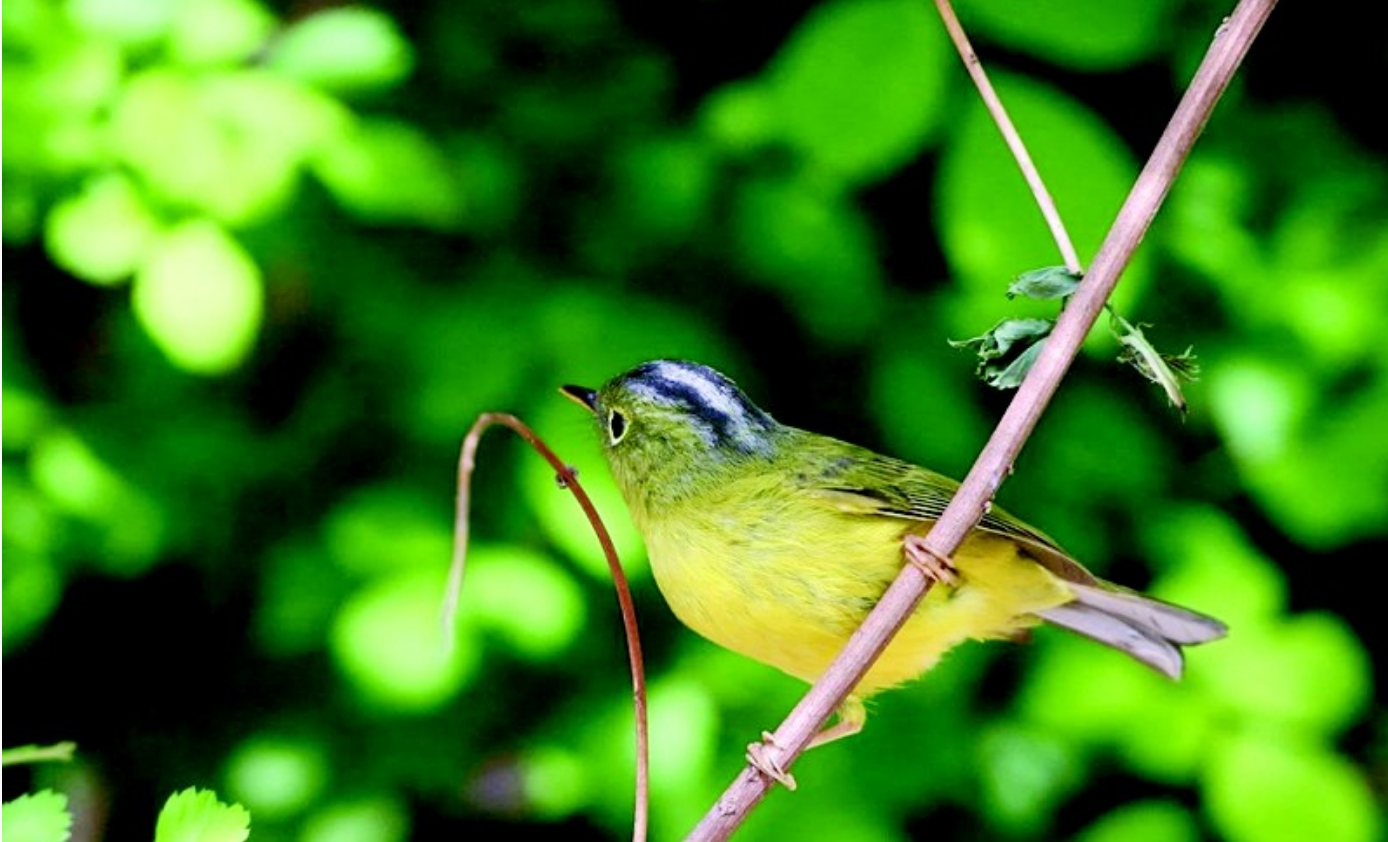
x=1231, y=43
x=567, y=479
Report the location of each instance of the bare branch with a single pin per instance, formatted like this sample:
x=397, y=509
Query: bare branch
x=567, y=479
x=1011, y=137
x=1231, y=43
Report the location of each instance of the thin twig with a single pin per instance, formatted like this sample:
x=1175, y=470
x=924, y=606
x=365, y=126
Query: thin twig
x=993, y=102
x=59, y=752
x=567, y=479
x=1230, y=45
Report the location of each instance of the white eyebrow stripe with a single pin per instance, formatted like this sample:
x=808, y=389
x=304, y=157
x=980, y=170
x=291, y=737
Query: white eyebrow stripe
x=713, y=393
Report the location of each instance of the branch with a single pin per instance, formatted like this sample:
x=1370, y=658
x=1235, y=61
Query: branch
x=567, y=479
x=1009, y=134
x=1231, y=43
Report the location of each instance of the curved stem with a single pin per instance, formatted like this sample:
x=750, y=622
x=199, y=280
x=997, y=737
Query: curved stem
x=567, y=479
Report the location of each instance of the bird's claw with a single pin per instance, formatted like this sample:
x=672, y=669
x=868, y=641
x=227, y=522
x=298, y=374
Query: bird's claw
x=758, y=754
x=930, y=565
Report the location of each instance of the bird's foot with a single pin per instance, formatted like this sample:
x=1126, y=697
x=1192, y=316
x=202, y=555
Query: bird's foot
x=930, y=565
x=758, y=754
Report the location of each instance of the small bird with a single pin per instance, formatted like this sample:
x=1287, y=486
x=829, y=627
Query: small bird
x=776, y=542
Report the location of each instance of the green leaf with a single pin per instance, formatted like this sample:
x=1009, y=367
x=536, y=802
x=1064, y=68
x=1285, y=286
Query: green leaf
x=1086, y=34
x=530, y=600
x=230, y=143
x=388, y=641
x=200, y=297
x=101, y=234
x=815, y=247
x=388, y=171
x=998, y=341
x=1028, y=334
x=128, y=23
x=1167, y=821
x=859, y=86
x=1012, y=375
x=376, y=819
x=345, y=49
x=1308, y=674
x=1164, y=370
x=1261, y=788
x=1043, y=284
x=61, y=752
x=208, y=32
x=41, y=816
x=195, y=815
x=276, y=776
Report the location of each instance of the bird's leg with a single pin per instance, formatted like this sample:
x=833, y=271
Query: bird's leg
x=758, y=754
x=930, y=565
x=851, y=716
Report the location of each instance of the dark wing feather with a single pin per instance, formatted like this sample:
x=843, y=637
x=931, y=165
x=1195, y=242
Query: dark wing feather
x=856, y=479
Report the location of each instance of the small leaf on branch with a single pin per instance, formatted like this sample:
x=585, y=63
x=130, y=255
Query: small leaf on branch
x=1027, y=334
x=998, y=341
x=1044, y=284
x=1165, y=370
x=1011, y=376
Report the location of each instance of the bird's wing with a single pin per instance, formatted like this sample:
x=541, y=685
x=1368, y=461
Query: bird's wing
x=860, y=481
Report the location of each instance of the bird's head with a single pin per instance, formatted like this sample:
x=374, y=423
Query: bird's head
x=671, y=427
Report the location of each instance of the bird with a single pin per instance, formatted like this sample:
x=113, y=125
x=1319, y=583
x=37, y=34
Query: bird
x=775, y=542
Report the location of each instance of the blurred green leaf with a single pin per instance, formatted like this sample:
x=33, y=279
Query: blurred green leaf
x=276, y=777
x=390, y=172
x=210, y=32
x=1269, y=789
x=859, y=86
x=388, y=641
x=385, y=528
x=1309, y=673
x=230, y=143
x=816, y=249
x=1151, y=821
x=200, y=297
x=372, y=819
x=195, y=815
x=1084, y=35
x=1025, y=774
x=532, y=602
x=76, y=481
x=129, y=22
x=33, y=585
x=102, y=233
x=347, y=50
x=41, y=816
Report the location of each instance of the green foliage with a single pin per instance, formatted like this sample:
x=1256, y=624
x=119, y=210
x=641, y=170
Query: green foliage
x=266, y=265
x=195, y=815
x=38, y=817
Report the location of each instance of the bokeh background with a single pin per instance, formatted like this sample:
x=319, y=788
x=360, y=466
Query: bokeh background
x=265, y=263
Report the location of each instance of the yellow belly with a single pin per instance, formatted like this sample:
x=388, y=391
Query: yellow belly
x=789, y=589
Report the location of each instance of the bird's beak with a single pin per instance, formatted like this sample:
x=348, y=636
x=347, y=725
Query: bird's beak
x=585, y=397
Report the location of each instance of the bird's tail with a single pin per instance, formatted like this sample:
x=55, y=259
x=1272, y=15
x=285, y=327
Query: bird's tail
x=1151, y=631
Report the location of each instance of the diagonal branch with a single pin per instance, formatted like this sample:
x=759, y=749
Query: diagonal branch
x=1230, y=45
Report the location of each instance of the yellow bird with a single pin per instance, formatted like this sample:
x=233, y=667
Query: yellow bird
x=775, y=542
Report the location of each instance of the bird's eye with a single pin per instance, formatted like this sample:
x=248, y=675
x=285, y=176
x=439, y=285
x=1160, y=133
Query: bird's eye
x=616, y=426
